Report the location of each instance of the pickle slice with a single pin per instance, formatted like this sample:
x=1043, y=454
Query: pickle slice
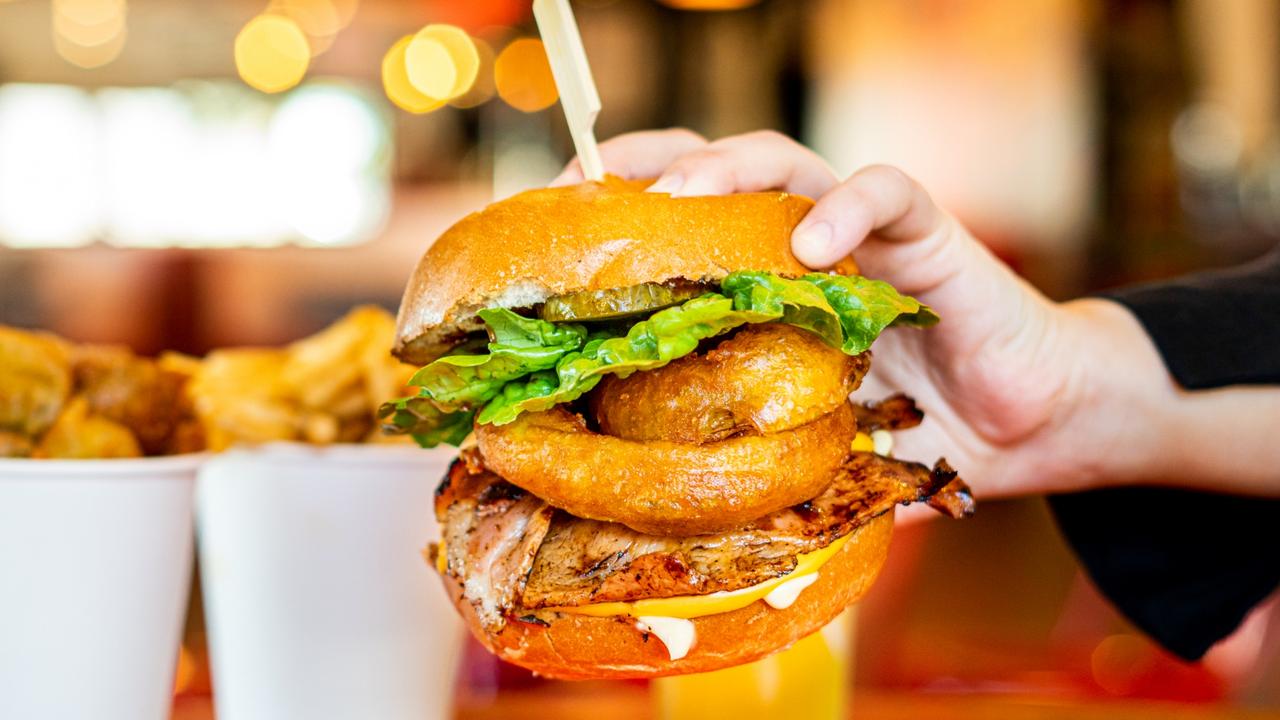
x=618, y=302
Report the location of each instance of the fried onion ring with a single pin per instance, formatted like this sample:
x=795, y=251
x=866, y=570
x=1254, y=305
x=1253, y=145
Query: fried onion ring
x=661, y=487
x=765, y=379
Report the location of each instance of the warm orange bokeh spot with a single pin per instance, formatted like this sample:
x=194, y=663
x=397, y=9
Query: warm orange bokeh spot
x=523, y=76
x=89, y=33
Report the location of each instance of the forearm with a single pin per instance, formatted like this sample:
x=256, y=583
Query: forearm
x=1137, y=426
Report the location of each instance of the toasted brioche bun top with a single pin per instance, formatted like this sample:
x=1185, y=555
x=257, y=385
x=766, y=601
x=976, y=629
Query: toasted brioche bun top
x=594, y=236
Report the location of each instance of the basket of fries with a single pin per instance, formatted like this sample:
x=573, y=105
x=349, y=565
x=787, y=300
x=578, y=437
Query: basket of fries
x=317, y=600
x=98, y=456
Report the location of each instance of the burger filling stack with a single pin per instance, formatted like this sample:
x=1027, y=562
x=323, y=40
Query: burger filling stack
x=662, y=471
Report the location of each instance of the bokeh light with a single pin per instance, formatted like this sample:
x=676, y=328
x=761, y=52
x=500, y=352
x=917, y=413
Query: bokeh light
x=482, y=89
x=442, y=61
x=90, y=56
x=272, y=53
x=430, y=68
x=89, y=12
x=317, y=18
x=320, y=44
x=89, y=33
x=328, y=150
x=395, y=81
x=346, y=11
x=523, y=76
x=321, y=20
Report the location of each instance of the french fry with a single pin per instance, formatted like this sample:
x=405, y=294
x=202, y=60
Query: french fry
x=179, y=363
x=239, y=397
x=322, y=365
x=384, y=376
x=320, y=428
x=321, y=389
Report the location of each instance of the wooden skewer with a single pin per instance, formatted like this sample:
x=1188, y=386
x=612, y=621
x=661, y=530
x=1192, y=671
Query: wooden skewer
x=578, y=94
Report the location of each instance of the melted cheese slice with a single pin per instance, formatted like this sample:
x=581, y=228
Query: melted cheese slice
x=692, y=606
x=862, y=442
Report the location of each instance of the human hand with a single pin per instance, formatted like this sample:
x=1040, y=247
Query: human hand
x=1023, y=395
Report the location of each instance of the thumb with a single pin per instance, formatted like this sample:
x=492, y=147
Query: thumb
x=877, y=199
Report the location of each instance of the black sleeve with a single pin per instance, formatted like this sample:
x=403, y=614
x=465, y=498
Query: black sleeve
x=1184, y=566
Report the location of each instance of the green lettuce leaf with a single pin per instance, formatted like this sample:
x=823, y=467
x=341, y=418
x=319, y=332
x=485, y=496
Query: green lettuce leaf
x=454, y=386
x=791, y=301
x=847, y=311
x=666, y=335
x=866, y=307
x=520, y=346
x=427, y=423
x=533, y=365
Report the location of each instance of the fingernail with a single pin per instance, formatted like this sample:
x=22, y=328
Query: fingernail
x=812, y=240
x=667, y=184
x=700, y=185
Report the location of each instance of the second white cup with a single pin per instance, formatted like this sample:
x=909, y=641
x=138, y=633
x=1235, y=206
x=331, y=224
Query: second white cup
x=318, y=600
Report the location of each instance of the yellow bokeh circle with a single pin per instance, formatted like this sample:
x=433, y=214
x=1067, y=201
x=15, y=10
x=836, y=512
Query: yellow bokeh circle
x=430, y=68
x=395, y=81
x=482, y=89
x=523, y=76
x=272, y=53
x=442, y=61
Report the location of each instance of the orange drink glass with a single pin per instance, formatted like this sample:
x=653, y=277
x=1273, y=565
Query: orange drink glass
x=808, y=680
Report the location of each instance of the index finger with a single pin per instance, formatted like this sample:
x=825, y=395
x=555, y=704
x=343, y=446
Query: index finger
x=753, y=162
x=642, y=154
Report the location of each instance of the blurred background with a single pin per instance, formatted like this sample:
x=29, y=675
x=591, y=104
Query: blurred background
x=183, y=175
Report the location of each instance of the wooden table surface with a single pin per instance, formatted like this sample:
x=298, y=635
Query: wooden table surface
x=632, y=703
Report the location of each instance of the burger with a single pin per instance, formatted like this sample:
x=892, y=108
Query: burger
x=662, y=471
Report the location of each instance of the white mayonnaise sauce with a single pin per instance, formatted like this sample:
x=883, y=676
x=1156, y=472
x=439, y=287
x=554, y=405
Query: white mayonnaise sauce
x=677, y=634
x=782, y=597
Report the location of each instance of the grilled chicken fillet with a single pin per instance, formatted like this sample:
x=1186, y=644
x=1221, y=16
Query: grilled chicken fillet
x=513, y=553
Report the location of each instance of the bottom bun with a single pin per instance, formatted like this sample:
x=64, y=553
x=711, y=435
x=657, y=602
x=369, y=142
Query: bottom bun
x=580, y=647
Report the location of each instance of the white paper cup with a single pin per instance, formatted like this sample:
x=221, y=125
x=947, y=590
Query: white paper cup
x=318, y=601
x=95, y=567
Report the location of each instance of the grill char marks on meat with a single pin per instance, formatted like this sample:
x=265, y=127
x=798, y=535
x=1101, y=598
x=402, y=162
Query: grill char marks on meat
x=491, y=531
x=896, y=412
x=554, y=559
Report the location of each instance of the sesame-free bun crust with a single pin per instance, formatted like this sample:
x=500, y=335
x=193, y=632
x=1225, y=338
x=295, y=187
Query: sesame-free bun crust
x=593, y=236
x=579, y=647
